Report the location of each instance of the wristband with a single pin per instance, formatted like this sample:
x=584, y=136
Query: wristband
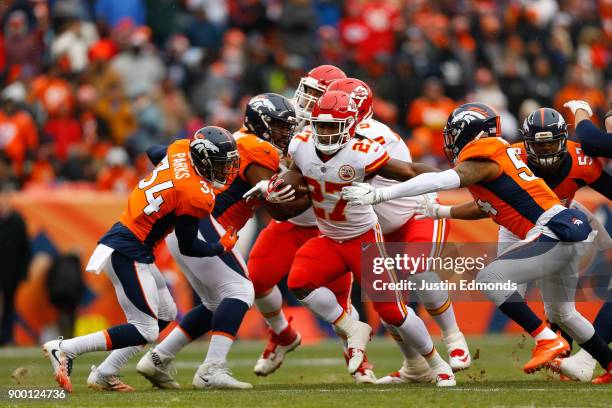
x=444, y=211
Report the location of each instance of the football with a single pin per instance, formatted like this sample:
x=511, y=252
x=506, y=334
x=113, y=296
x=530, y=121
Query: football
x=302, y=197
x=295, y=179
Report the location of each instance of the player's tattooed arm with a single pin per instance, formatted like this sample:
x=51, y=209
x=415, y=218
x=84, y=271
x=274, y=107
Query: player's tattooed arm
x=473, y=171
x=467, y=211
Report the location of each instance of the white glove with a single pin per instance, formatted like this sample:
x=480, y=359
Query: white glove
x=276, y=196
x=259, y=189
x=574, y=105
x=430, y=208
x=362, y=194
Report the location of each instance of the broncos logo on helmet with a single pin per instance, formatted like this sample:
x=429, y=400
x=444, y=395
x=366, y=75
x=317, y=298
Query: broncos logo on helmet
x=466, y=123
x=214, y=155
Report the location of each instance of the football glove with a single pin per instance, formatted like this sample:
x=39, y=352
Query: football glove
x=362, y=194
x=428, y=207
x=574, y=105
x=258, y=190
x=229, y=239
x=276, y=196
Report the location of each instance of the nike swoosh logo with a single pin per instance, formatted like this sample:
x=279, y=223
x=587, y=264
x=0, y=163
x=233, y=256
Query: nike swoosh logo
x=203, y=379
x=561, y=345
x=464, y=359
x=54, y=356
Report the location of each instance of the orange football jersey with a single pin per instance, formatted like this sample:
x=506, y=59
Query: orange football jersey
x=231, y=209
x=515, y=198
x=173, y=188
x=576, y=170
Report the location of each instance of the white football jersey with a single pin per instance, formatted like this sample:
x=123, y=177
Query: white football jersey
x=307, y=218
x=353, y=162
x=393, y=214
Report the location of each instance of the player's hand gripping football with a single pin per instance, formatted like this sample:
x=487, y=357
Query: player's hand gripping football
x=362, y=194
x=229, y=239
x=277, y=194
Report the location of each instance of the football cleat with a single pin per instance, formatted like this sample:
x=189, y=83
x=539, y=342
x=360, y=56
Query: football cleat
x=357, y=338
x=60, y=362
x=274, y=353
x=217, y=375
x=158, y=370
x=577, y=367
x=546, y=351
x=99, y=382
x=605, y=378
x=443, y=375
x=365, y=373
x=459, y=356
x=414, y=371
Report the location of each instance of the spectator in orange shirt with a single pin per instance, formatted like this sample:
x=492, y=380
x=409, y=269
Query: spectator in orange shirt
x=18, y=133
x=427, y=116
x=117, y=175
x=581, y=84
x=53, y=93
x=115, y=109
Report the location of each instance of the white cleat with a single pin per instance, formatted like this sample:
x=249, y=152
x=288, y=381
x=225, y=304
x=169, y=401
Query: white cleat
x=412, y=371
x=364, y=374
x=217, y=375
x=276, y=349
x=579, y=367
x=60, y=362
x=158, y=370
x=443, y=375
x=357, y=338
x=99, y=382
x=458, y=352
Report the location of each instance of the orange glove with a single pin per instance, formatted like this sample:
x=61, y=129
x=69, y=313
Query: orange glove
x=229, y=239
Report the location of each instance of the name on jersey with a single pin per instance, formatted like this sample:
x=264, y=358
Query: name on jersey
x=180, y=166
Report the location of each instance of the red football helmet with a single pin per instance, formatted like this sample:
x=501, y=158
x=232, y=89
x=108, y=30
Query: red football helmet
x=312, y=86
x=359, y=91
x=334, y=118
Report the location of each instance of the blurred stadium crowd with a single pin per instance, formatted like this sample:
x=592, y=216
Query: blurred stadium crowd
x=87, y=85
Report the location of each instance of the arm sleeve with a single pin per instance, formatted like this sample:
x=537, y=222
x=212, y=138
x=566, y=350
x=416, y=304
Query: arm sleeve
x=156, y=153
x=423, y=184
x=186, y=229
x=594, y=141
x=603, y=185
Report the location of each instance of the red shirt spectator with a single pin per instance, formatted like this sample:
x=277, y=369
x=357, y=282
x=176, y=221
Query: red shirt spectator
x=64, y=132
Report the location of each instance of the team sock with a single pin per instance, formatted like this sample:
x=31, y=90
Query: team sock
x=516, y=309
x=270, y=306
x=115, y=361
x=323, y=303
x=602, y=324
x=599, y=350
x=84, y=344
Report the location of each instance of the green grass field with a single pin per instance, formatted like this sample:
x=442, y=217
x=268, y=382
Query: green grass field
x=316, y=376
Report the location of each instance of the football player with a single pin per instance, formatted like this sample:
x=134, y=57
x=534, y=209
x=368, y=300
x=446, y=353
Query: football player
x=268, y=124
x=504, y=187
x=565, y=168
x=397, y=222
x=175, y=195
x=273, y=252
x=330, y=158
